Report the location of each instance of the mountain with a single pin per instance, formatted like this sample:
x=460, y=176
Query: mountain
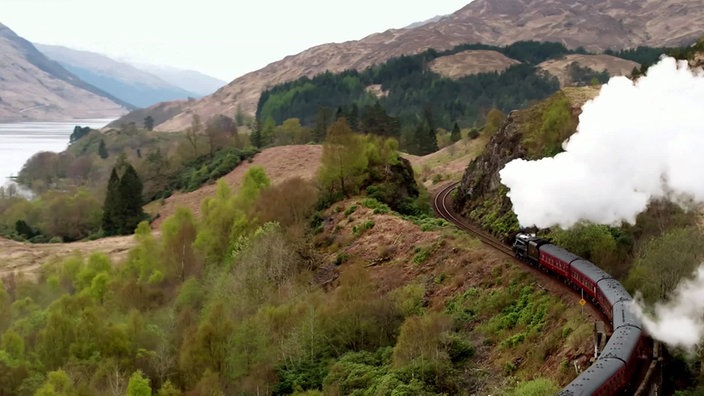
x=130, y=84
x=33, y=87
x=190, y=80
x=593, y=24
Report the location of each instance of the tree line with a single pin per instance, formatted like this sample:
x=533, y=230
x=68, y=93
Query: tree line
x=411, y=92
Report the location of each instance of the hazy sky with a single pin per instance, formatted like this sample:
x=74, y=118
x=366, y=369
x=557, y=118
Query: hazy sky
x=225, y=39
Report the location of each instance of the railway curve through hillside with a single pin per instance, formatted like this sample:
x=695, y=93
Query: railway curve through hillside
x=443, y=208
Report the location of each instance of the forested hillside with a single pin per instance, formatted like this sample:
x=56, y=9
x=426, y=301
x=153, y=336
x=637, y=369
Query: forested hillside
x=416, y=98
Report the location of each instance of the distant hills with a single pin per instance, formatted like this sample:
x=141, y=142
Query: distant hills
x=33, y=87
x=141, y=86
x=594, y=25
x=190, y=80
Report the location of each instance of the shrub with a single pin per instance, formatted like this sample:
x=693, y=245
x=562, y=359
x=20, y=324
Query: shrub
x=350, y=210
x=376, y=206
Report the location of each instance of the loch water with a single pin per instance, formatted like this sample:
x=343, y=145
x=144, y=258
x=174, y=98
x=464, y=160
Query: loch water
x=20, y=141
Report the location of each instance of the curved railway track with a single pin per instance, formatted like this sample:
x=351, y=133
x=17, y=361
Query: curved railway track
x=442, y=207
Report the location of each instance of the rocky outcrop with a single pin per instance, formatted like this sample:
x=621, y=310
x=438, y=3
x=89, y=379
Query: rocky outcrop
x=393, y=184
x=481, y=178
x=480, y=195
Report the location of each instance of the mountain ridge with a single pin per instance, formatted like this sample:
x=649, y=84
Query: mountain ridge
x=120, y=79
x=34, y=87
x=614, y=24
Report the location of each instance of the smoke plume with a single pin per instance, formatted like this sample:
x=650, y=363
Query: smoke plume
x=679, y=321
x=636, y=141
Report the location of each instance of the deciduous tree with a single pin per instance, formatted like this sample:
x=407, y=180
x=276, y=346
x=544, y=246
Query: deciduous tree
x=138, y=385
x=343, y=160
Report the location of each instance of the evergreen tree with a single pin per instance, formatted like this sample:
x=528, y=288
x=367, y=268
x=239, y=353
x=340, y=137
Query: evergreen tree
x=122, y=210
x=455, y=135
x=256, y=136
x=102, y=150
x=78, y=132
x=322, y=122
x=149, y=123
x=130, y=193
x=353, y=117
x=375, y=120
x=111, y=206
x=426, y=140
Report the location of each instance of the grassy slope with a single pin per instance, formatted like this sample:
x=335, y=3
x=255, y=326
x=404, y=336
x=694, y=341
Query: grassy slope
x=520, y=331
x=492, y=300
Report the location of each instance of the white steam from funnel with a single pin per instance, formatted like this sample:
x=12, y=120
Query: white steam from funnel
x=679, y=321
x=635, y=142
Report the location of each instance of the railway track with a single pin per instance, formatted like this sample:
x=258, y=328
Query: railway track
x=442, y=207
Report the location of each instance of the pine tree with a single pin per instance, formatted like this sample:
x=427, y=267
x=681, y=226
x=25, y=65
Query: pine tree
x=149, y=123
x=111, y=206
x=130, y=192
x=122, y=209
x=256, y=136
x=102, y=150
x=322, y=122
x=455, y=135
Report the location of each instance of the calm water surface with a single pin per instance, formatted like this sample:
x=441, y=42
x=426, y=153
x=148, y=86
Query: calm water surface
x=20, y=141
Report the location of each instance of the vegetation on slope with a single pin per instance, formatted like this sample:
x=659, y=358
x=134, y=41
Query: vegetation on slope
x=71, y=186
x=264, y=294
x=411, y=90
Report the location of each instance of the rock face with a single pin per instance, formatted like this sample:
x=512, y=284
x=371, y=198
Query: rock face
x=482, y=175
x=593, y=24
x=480, y=195
x=32, y=87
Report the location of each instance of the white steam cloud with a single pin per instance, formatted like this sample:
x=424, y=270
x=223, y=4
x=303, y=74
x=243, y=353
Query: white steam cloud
x=680, y=320
x=635, y=142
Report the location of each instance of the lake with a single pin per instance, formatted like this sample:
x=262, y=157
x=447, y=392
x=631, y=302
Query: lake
x=20, y=141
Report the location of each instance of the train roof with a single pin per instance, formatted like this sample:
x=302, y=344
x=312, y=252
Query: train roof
x=622, y=343
x=590, y=270
x=590, y=380
x=623, y=315
x=558, y=252
x=613, y=291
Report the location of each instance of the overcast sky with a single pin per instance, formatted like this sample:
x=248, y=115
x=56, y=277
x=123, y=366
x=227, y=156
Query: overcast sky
x=222, y=38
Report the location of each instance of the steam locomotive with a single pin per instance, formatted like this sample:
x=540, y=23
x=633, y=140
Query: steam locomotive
x=612, y=371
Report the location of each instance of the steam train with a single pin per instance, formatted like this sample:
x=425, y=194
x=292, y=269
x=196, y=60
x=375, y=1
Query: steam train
x=612, y=371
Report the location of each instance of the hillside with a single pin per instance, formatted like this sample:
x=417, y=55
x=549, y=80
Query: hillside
x=279, y=163
x=471, y=62
x=595, y=26
x=190, y=80
x=369, y=300
x=124, y=81
x=32, y=87
x=614, y=66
